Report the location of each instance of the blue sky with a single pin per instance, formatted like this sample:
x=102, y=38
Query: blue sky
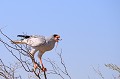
x=90, y=30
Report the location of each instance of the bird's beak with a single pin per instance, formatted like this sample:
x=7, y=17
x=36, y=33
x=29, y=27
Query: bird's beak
x=58, y=38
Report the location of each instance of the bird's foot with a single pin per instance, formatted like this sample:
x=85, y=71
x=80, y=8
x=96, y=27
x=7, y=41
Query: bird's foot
x=35, y=66
x=43, y=69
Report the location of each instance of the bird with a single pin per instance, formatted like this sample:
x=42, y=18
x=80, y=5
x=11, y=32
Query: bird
x=38, y=43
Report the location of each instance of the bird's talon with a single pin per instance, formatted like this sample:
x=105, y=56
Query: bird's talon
x=35, y=66
x=44, y=69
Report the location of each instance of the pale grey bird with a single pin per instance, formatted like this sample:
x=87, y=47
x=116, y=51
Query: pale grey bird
x=38, y=43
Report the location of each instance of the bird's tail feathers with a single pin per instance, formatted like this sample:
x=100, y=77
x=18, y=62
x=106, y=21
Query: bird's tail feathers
x=17, y=42
x=24, y=36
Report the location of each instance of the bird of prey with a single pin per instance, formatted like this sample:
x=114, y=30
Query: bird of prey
x=38, y=43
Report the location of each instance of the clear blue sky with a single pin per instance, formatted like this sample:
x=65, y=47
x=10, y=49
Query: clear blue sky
x=90, y=30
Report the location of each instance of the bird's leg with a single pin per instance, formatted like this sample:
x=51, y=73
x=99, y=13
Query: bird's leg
x=35, y=65
x=43, y=68
x=32, y=52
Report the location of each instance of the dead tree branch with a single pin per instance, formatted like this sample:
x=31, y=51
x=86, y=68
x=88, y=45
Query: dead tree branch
x=113, y=67
x=98, y=72
x=23, y=56
x=7, y=72
x=56, y=69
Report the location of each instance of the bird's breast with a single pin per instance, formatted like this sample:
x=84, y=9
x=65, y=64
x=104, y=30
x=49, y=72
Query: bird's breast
x=47, y=46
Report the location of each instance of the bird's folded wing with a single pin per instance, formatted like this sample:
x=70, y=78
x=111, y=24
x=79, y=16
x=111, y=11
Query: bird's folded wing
x=36, y=41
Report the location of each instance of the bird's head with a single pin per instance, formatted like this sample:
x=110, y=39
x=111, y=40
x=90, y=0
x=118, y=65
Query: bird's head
x=56, y=37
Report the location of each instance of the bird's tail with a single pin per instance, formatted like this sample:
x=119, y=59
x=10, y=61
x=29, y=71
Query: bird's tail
x=18, y=42
x=22, y=41
x=24, y=36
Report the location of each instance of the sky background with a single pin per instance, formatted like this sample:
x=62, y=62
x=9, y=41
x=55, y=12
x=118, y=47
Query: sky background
x=90, y=30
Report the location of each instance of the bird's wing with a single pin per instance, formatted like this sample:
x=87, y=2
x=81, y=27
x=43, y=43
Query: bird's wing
x=36, y=41
x=33, y=41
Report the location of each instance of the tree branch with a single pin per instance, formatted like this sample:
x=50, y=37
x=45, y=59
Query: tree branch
x=24, y=56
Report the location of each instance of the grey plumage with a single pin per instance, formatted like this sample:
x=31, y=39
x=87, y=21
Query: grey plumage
x=38, y=43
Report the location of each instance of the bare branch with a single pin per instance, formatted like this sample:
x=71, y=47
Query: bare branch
x=8, y=72
x=113, y=67
x=25, y=60
x=99, y=72
x=56, y=69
